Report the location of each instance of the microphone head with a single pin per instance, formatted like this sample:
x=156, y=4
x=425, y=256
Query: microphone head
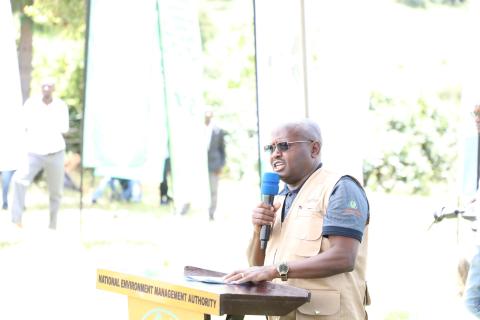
x=270, y=182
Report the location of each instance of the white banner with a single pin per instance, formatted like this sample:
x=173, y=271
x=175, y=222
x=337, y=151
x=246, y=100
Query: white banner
x=311, y=62
x=11, y=133
x=468, y=134
x=280, y=73
x=181, y=44
x=338, y=62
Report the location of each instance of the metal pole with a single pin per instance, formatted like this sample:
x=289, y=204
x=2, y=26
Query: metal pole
x=304, y=57
x=256, y=90
x=85, y=64
x=165, y=93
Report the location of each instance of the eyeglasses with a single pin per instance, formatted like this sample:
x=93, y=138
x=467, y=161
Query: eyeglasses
x=282, y=146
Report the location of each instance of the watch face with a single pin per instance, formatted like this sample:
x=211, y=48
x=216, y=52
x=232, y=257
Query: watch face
x=283, y=268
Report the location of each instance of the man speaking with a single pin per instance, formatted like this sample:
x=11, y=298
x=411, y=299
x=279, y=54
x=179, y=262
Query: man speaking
x=319, y=235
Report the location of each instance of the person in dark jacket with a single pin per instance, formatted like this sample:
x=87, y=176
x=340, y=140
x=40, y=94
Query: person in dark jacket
x=216, y=158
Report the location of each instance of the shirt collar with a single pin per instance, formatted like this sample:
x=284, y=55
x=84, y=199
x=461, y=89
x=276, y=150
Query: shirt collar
x=286, y=190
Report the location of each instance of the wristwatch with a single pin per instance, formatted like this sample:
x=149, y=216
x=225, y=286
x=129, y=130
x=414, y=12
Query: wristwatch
x=282, y=270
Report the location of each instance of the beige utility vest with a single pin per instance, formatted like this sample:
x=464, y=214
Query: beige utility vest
x=339, y=297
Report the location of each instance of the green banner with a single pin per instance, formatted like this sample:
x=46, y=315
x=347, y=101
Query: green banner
x=143, y=93
x=125, y=133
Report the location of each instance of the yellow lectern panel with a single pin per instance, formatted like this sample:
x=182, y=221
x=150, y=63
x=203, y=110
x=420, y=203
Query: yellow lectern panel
x=146, y=310
x=166, y=294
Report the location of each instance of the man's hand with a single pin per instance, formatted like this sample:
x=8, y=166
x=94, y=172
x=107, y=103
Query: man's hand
x=263, y=214
x=253, y=274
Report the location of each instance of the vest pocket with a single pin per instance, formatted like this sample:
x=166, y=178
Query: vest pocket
x=308, y=228
x=322, y=303
x=308, y=236
x=306, y=248
x=309, y=210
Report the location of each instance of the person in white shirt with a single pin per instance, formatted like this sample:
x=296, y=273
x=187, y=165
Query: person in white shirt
x=46, y=120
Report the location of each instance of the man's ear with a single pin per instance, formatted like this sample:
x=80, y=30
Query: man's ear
x=316, y=148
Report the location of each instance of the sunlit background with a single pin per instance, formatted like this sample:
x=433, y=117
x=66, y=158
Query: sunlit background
x=392, y=84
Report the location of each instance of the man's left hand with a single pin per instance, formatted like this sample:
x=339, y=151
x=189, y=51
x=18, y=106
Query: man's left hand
x=253, y=274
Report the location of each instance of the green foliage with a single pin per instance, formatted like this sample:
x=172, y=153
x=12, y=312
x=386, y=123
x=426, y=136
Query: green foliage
x=241, y=144
x=207, y=29
x=73, y=95
x=412, y=142
x=229, y=78
x=58, y=17
x=18, y=5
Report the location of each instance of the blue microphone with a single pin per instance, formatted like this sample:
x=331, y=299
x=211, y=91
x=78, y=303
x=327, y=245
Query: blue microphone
x=270, y=182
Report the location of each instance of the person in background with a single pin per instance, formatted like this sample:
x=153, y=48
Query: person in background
x=121, y=190
x=165, y=199
x=46, y=121
x=6, y=179
x=319, y=234
x=215, y=137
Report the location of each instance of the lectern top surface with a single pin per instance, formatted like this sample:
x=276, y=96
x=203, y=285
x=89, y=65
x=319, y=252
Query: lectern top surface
x=264, y=289
x=263, y=298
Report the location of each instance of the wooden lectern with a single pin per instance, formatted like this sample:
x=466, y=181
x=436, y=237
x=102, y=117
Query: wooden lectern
x=150, y=299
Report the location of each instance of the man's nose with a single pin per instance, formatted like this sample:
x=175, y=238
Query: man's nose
x=276, y=152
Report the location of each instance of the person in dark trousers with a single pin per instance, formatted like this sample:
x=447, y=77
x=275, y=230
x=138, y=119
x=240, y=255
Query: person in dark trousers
x=6, y=179
x=165, y=199
x=216, y=158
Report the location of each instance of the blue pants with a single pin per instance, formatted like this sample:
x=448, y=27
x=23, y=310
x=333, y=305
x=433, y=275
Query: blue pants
x=6, y=178
x=122, y=189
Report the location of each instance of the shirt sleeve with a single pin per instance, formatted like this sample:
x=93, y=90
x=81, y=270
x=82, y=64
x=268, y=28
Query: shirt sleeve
x=347, y=211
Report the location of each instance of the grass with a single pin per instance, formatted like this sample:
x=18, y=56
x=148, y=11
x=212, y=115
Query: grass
x=411, y=269
x=7, y=244
x=398, y=315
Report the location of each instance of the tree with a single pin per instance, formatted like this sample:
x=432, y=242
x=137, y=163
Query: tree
x=64, y=18
x=53, y=20
x=413, y=142
x=25, y=45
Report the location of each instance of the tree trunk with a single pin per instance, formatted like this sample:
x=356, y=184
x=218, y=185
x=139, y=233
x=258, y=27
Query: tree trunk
x=25, y=54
